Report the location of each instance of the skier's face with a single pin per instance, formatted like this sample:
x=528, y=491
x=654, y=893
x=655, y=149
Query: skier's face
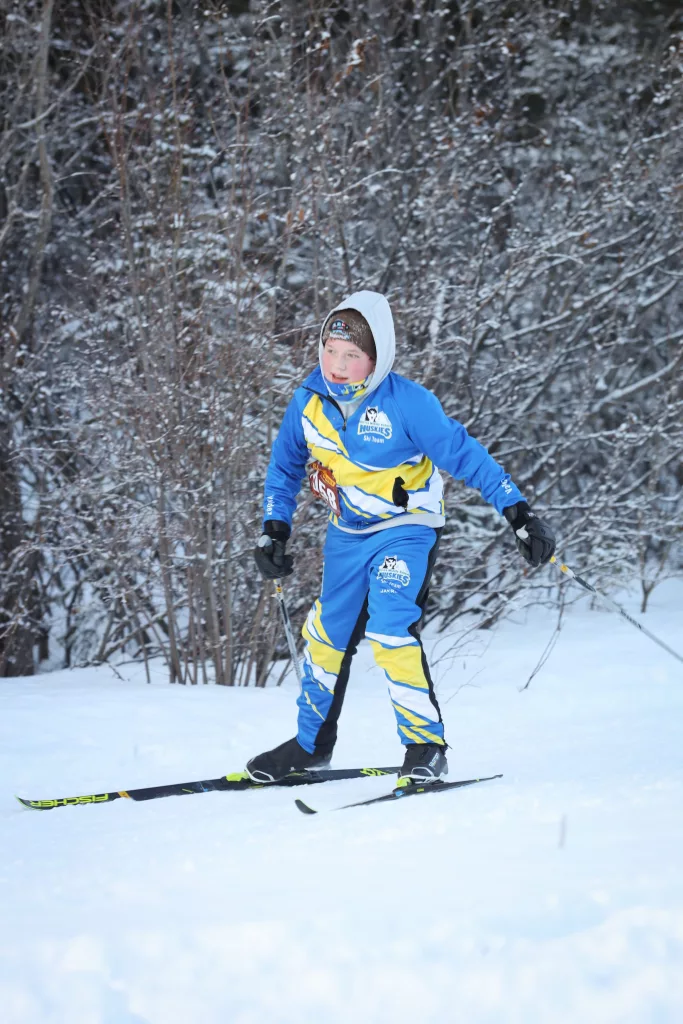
x=345, y=363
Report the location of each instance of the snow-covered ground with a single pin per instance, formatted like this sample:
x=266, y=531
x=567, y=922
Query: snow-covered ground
x=552, y=895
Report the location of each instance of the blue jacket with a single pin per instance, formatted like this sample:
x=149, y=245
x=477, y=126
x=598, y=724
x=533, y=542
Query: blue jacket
x=398, y=432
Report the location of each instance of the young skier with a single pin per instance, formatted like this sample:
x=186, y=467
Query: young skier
x=372, y=443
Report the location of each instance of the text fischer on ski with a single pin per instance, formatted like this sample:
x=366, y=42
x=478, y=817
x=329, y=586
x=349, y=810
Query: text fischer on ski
x=372, y=443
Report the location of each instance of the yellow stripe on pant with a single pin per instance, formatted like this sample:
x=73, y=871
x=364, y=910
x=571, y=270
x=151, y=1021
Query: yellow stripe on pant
x=417, y=733
x=324, y=659
x=409, y=690
x=315, y=617
x=401, y=664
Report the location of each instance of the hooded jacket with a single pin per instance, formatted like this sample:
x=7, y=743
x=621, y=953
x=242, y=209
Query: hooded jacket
x=384, y=450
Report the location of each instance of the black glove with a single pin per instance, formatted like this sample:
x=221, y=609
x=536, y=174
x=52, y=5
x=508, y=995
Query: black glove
x=269, y=553
x=534, y=538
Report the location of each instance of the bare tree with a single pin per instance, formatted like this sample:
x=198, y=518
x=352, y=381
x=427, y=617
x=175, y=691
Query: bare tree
x=188, y=191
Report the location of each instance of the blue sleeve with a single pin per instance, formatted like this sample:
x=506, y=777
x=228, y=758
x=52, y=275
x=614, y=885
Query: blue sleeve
x=287, y=467
x=450, y=447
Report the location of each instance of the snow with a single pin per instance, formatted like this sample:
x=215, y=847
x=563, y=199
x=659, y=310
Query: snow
x=552, y=895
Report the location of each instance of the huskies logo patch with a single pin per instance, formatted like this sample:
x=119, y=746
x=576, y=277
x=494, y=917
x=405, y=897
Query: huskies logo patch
x=374, y=422
x=394, y=570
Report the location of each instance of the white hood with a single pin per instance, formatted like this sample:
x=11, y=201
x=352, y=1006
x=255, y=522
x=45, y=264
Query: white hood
x=375, y=308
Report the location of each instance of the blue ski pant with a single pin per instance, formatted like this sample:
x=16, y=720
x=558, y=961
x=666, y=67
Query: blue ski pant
x=374, y=585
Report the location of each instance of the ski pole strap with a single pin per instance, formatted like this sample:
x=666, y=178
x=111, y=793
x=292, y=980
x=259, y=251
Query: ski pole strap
x=614, y=606
x=279, y=593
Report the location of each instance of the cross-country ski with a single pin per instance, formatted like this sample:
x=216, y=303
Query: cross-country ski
x=400, y=792
x=238, y=781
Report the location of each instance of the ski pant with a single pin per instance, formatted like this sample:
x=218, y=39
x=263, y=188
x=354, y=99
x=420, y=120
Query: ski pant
x=374, y=585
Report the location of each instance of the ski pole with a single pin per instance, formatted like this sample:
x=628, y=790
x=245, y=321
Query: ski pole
x=613, y=605
x=279, y=593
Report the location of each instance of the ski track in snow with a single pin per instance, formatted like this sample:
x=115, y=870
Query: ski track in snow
x=552, y=895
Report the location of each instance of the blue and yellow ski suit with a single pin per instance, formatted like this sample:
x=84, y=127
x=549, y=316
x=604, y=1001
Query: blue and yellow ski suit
x=382, y=451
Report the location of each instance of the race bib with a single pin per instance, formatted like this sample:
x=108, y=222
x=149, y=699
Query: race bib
x=324, y=486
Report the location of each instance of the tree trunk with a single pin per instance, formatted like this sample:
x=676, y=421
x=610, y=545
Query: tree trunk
x=16, y=632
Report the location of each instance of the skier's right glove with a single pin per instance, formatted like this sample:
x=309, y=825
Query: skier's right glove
x=272, y=561
x=534, y=537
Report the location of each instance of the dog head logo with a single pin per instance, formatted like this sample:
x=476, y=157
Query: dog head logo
x=375, y=423
x=394, y=570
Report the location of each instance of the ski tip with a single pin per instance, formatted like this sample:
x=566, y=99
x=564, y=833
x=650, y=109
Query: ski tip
x=34, y=805
x=304, y=808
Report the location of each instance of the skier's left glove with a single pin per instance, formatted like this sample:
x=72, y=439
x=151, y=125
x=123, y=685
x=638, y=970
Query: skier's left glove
x=272, y=561
x=534, y=537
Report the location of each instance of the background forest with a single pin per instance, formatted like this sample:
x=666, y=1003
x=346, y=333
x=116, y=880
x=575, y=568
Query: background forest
x=186, y=189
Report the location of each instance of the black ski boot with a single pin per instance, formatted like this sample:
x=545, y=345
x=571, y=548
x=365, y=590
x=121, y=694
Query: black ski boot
x=273, y=765
x=423, y=763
